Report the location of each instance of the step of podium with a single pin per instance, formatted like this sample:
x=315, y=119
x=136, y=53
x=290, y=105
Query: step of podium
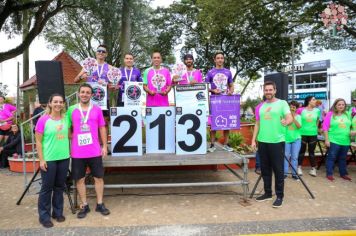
x=219, y=157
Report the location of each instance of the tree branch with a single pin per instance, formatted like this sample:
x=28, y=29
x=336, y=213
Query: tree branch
x=40, y=22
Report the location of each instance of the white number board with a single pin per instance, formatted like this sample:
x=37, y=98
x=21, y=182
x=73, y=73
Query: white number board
x=190, y=130
x=160, y=130
x=126, y=131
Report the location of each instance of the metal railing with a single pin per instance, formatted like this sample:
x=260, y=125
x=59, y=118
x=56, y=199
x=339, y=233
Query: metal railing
x=33, y=153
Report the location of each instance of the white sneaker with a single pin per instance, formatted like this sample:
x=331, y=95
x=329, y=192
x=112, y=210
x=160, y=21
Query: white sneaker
x=228, y=148
x=299, y=170
x=212, y=149
x=312, y=172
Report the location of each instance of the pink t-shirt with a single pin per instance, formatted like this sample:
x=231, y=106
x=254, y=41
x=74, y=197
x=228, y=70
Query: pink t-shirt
x=257, y=111
x=195, y=74
x=95, y=121
x=6, y=112
x=157, y=80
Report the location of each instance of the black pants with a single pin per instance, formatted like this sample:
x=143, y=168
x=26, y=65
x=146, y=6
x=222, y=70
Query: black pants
x=311, y=141
x=53, y=185
x=4, y=162
x=272, y=159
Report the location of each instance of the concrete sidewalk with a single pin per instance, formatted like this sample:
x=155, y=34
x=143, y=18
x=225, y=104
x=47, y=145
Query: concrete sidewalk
x=189, y=211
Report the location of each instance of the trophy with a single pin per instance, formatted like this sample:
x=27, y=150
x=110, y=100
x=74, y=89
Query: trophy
x=179, y=69
x=90, y=65
x=114, y=76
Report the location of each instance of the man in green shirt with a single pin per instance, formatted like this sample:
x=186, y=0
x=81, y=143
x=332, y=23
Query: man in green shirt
x=272, y=117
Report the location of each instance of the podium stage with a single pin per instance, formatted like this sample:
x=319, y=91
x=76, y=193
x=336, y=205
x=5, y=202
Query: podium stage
x=219, y=157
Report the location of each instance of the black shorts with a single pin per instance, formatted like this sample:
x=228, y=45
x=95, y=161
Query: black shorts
x=5, y=132
x=79, y=167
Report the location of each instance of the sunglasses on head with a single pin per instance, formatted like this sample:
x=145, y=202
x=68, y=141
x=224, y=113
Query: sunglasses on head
x=100, y=51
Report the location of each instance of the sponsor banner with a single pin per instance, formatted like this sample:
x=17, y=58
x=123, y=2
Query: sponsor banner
x=225, y=112
x=100, y=95
x=188, y=95
x=133, y=95
x=302, y=96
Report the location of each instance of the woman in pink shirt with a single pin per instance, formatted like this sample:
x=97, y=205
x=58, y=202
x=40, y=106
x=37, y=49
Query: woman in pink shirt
x=7, y=112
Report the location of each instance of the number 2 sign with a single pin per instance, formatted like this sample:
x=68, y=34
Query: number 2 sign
x=126, y=131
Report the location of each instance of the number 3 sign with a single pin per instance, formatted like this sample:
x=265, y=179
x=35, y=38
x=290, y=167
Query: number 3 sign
x=190, y=130
x=126, y=131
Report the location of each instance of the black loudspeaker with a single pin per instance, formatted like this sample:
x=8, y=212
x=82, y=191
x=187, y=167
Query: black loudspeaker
x=49, y=79
x=281, y=80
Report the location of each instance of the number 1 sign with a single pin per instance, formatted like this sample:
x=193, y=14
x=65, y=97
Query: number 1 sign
x=126, y=131
x=160, y=135
x=190, y=130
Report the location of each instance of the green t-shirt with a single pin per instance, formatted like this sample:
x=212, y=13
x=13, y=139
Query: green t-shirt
x=270, y=114
x=339, y=130
x=292, y=132
x=55, y=142
x=309, y=122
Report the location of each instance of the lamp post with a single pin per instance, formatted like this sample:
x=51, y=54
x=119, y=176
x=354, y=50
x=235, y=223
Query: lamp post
x=293, y=72
x=18, y=91
x=293, y=37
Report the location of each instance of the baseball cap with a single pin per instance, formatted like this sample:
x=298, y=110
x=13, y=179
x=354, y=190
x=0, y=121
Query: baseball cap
x=188, y=56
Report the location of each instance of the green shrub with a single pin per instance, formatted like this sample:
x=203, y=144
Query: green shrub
x=235, y=139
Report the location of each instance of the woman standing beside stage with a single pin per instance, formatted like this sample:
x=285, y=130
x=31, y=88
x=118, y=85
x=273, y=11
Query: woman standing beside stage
x=337, y=131
x=310, y=116
x=53, y=151
x=293, y=142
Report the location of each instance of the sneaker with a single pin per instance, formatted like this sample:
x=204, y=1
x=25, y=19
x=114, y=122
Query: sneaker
x=277, y=203
x=83, y=212
x=102, y=209
x=312, y=172
x=258, y=171
x=59, y=219
x=295, y=177
x=47, y=224
x=346, y=177
x=330, y=177
x=228, y=148
x=299, y=171
x=263, y=198
x=212, y=148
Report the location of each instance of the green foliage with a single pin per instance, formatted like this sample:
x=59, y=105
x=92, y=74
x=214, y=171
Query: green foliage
x=248, y=33
x=84, y=28
x=250, y=103
x=218, y=135
x=235, y=139
x=27, y=131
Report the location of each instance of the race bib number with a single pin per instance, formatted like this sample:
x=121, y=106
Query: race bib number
x=85, y=139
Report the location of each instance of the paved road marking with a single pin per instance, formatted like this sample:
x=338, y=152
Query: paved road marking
x=321, y=233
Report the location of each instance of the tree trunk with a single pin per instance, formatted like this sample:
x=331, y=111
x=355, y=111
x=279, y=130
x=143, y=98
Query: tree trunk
x=125, y=28
x=25, y=57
